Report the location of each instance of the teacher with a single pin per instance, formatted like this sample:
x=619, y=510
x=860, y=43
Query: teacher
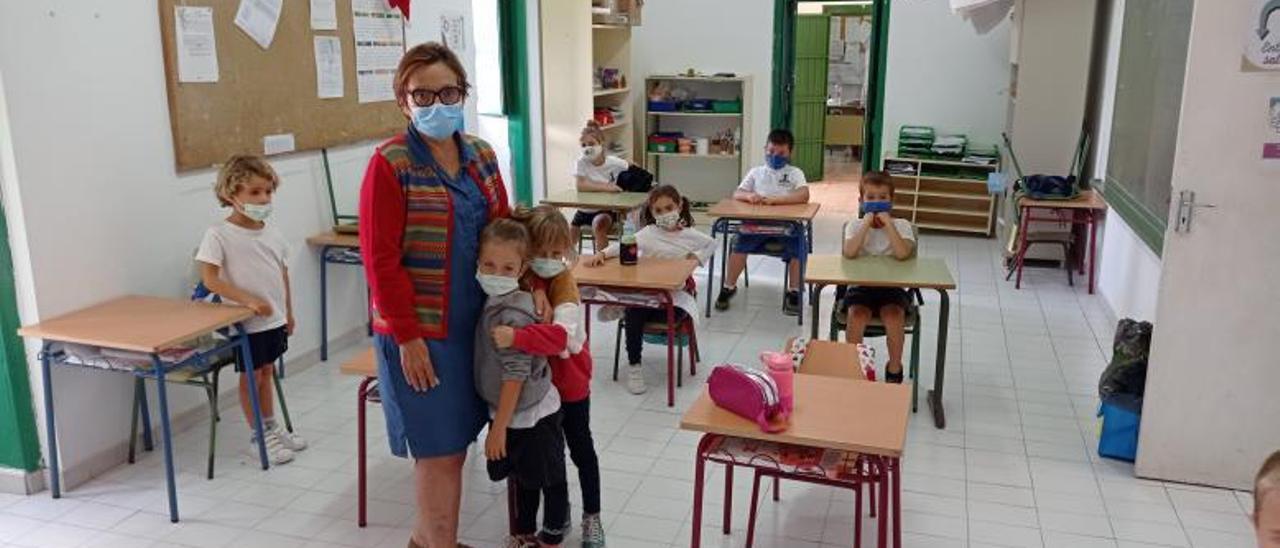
x=425, y=198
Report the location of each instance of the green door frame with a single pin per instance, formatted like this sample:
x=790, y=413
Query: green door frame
x=513, y=19
x=19, y=446
x=784, y=67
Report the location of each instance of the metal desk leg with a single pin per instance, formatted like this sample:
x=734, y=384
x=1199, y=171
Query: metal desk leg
x=895, y=469
x=51, y=434
x=246, y=358
x=162, y=397
x=1093, y=240
x=1020, y=254
x=882, y=530
x=324, y=305
x=145, y=410
x=935, y=395
x=671, y=356
x=699, y=483
x=815, y=294
x=362, y=479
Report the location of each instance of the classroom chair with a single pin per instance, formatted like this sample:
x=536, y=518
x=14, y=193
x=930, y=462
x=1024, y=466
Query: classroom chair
x=655, y=333
x=1065, y=239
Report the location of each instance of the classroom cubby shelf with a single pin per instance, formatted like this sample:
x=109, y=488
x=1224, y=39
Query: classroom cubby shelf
x=943, y=195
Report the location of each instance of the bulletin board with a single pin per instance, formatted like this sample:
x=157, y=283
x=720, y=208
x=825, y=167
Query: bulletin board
x=261, y=92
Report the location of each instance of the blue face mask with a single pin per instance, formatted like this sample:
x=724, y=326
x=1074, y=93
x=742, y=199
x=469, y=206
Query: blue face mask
x=438, y=121
x=776, y=161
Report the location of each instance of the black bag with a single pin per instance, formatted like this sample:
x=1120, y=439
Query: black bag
x=635, y=179
x=1050, y=187
x=1125, y=379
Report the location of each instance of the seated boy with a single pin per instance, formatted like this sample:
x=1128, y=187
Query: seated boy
x=776, y=183
x=1266, y=503
x=879, y=234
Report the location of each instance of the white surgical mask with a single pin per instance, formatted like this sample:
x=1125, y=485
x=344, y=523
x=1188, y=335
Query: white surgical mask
x=668, y=220
x=547, y=268
x=592, y=152
x=496, y=286
x=257, y=212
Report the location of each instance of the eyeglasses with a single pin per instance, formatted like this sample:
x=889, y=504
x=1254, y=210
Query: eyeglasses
x=448, y=95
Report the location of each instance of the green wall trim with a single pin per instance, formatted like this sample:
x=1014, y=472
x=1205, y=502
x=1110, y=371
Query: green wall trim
x=513, y=20
x=19, y=446
x=874, y=140
x=852, y=11
x=1149, y=227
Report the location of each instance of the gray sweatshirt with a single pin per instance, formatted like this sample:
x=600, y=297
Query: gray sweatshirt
x=493, y=365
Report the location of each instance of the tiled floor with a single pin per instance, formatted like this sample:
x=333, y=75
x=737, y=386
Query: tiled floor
x=1015, y=467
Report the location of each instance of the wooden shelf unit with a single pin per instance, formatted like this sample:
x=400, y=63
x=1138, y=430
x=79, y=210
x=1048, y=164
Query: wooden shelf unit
x=700, y=177
x=941, y=195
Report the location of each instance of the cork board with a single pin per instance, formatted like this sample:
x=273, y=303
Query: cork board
x=266, y=92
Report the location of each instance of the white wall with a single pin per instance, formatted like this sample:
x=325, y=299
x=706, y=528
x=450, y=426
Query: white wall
x=96, y=210
x=940, y=72
x=711, y=36
x=1128, y=270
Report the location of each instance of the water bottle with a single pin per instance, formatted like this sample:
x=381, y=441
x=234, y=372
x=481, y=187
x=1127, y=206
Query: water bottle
x=780, y=367
x=629, y=254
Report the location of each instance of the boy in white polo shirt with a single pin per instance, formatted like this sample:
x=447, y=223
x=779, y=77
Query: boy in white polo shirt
x=775, y=183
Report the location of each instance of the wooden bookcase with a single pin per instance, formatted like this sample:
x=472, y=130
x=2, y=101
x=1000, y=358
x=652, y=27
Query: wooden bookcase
x=703, y=178
x=943, y=195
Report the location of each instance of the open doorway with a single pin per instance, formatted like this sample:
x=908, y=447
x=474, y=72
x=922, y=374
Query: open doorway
x=828, y=84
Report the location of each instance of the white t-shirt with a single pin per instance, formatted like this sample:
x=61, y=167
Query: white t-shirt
x=253, y=260
x=877, y=242
x=660, y=243
x=604, y=173
x=769, y=182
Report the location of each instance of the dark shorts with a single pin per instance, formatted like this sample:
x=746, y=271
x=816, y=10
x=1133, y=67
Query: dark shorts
x=585, y=218
x=876, y=298
x=535, y=456
x=266, y=347
x=786, y=247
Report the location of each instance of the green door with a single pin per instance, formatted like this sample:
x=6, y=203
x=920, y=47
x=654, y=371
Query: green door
x=809, y=96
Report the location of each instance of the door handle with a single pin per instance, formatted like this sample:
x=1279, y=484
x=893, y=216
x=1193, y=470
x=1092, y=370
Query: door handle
x=1187, y=207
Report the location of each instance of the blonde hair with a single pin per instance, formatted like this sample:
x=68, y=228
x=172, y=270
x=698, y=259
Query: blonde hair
x=1268, y=480
x=548, y=229
x=503, y=230
x=594, y=131
x=237, y=172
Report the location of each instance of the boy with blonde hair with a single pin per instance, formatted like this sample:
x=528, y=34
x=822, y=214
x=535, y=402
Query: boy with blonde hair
x=243, y=260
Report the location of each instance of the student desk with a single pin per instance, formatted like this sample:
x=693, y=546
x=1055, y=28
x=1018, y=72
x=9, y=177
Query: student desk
x=730, y=214
x=596, y=201
x=920, y=272
x=364, y=366
x=337, y=249
x=831, y=359
x=149, y=325
x=646, y=284
x=1084, y=210
x=866, y=418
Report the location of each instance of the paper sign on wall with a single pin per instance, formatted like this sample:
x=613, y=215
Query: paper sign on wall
x=324, y=15
x=328, y=67
x=1271, y=145
x=453, y=31
x=258, y=19
x=197, y=51
x=278, y=144
x=1262, y=36
x=379, y=36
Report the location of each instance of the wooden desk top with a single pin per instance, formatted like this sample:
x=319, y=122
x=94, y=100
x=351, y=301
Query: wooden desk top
x=735, y=209
x=832, y=359
x=1088, y=199
x=138, y=323
x=334, y=239
x=362, y=365
x=614, y=201
x=921, y=272
x=829, y=413
x=649, y=273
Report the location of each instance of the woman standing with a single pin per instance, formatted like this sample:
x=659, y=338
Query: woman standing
x=426, y=196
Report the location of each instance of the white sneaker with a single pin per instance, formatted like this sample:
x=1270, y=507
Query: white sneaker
x=290, y=440
x=635, y=379
x=277, y=453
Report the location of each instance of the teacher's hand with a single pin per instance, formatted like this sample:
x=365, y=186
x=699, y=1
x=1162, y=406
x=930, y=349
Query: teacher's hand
x=416, y=363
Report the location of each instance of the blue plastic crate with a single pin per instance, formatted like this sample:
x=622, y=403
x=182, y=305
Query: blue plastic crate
x=1119, y=436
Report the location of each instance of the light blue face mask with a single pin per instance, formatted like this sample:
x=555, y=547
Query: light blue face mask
x=438, y=121
x=257, y=212
x=495, y=285
x=547, y=268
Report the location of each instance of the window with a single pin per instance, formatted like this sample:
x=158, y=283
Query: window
x=488, y=84
x=1144, y=127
